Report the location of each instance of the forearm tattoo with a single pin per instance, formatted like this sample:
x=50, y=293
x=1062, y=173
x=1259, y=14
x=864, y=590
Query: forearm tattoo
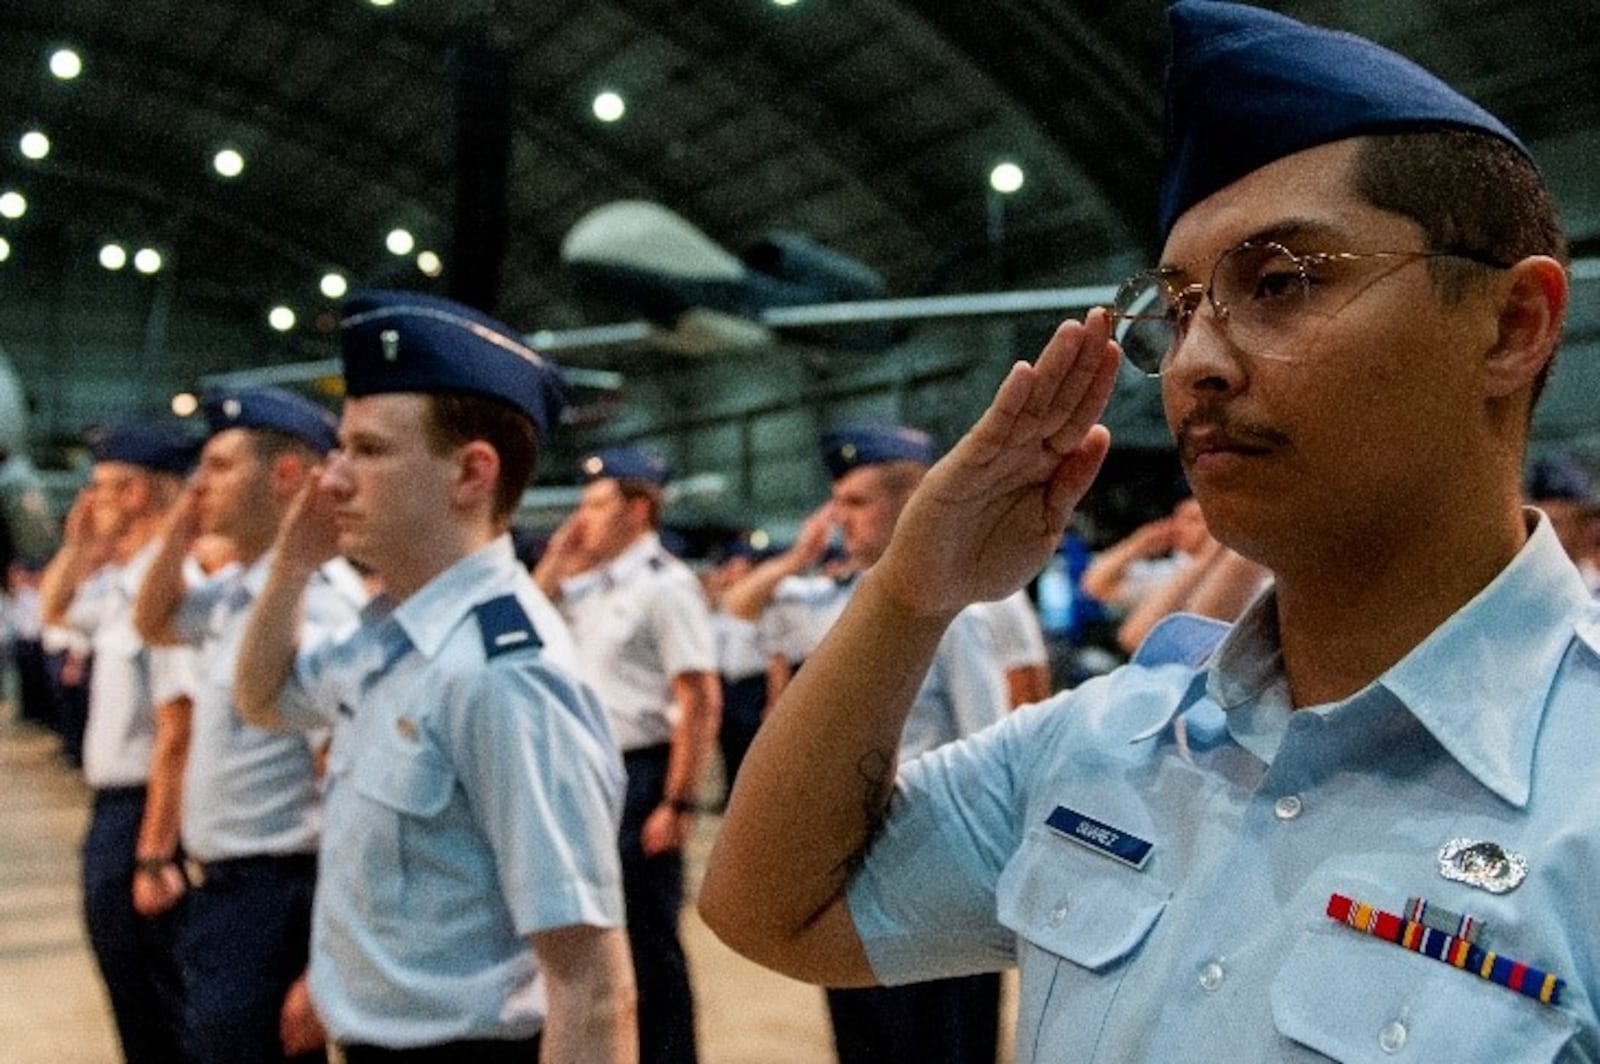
x=876, y=769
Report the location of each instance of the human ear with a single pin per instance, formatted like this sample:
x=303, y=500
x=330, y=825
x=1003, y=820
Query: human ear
x=478, y=472
x=1532, y=304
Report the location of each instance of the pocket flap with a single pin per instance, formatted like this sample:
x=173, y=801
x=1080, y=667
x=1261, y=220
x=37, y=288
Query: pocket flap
x=1352, y=997
x=414, y=780
x=1082, y=907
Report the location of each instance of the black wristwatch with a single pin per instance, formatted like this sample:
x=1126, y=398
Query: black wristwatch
x=681, y=805
x=152, y=866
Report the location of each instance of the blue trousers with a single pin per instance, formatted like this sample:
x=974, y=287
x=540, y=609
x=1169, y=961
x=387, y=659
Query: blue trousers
x=245, y=940
x=945, y=1021
x=653, y=890
x=136, y=955
x=743, y=702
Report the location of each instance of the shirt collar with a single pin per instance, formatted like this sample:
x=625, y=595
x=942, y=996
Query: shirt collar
x=1457, y=682
x=635, y=557
x=432, y=613
x=1480, y=682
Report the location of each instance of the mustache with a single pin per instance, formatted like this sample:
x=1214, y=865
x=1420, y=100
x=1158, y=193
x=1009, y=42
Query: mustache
x=1218, y=427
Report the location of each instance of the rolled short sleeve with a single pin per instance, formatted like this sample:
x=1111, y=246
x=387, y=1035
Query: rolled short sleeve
x=541, y=773
x=923, y=903
x=681, y=622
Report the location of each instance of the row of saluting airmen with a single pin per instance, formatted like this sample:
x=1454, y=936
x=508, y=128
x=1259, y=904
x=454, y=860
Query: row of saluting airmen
x=1387, y=738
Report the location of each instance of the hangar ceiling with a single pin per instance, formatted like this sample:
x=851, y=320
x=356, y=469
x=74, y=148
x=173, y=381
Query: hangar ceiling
x=871, y=125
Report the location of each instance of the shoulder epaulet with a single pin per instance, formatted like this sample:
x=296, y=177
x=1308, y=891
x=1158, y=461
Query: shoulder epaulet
x=505, y=626
x=1180, y=639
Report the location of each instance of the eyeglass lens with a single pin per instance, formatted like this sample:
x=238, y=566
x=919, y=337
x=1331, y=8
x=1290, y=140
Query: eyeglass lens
x=1256, y=289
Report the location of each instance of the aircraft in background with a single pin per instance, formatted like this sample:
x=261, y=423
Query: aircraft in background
x=645, y=258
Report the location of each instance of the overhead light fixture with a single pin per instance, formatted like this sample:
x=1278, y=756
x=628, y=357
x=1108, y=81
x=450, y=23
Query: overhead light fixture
x=147, y=261
x=13, y=204
x=1006, y=178
x=228, y=163
x=609, y=107
x=66, y=64
x=785, y=3
x=281, y=318
x=381, y=3
x=430, y=263
x=333, y=285
x=113, y=256
x=400, y=241
x=5, y=249
x=34, y=144
x=184, y=404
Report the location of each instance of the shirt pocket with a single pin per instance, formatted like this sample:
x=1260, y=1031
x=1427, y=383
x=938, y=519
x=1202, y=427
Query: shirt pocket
x=1079, y=917
x=1355, y=998
x=407, y=787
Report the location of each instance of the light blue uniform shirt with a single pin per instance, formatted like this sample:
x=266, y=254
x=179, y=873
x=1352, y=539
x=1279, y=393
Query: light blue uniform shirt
x=473, y=798
x=120, y=734
x=1220, y=948
x=249, y=792
x=639, y=621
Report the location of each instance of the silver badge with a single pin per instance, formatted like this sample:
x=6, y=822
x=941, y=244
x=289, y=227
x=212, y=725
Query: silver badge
x=1486, y=865
x=231, y=409
x=390, y=339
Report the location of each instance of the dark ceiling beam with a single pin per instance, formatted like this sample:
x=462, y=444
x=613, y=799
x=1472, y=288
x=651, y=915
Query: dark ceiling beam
x=1087, y=91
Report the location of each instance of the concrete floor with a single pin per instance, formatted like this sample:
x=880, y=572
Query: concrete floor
x=52, y=1007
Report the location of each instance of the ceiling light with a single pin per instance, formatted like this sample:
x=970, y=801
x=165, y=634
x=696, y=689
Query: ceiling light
x=113, y=257
x=381, y=3
x=184, y=404
x=13, y=205
x=65, y=64
x=281, y=318
x=608, y=107
x=785, y=3
x=429, y=263
x=400, y=241
x=228, y=163
x=147, y=261
x=1006, y=178
x=34, y=144
x=333, y=285
x=5, y=249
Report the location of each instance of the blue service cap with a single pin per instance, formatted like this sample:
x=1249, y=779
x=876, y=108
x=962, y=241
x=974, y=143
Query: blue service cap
x=414, y=342
x=1560, y=476
x=1246, y=87
x=158, y=448
x=623, y=463
x=275, y=409
x=864, y=445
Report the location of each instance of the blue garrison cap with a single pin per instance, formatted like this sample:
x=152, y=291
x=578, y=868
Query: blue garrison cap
x=623, y=463
x=158, y=448
x=1246, y=87
x=851, y=448
x=275, y=409
x=413, y=342
x=1560, y=476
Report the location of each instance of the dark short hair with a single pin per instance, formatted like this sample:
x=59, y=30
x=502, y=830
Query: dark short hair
x=1471, y=193
x=638, y=488
x=457, y=419
x=268, y=444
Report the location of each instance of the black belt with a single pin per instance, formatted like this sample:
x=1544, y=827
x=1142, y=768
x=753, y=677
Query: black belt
x=109, y=795
x=647, y=753
x=218, y=873
x=467, y=1051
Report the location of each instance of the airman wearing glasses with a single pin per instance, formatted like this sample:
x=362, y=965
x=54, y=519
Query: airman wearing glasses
x=1352, y=825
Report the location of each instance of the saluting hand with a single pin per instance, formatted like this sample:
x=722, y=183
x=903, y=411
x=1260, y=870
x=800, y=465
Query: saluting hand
x=990, y=513
x=309, y=536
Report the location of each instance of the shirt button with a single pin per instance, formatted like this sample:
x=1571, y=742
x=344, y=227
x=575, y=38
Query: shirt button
x=1392, y=1039
x=1211, y=976
x=1288, y=807
x=1058, y=914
